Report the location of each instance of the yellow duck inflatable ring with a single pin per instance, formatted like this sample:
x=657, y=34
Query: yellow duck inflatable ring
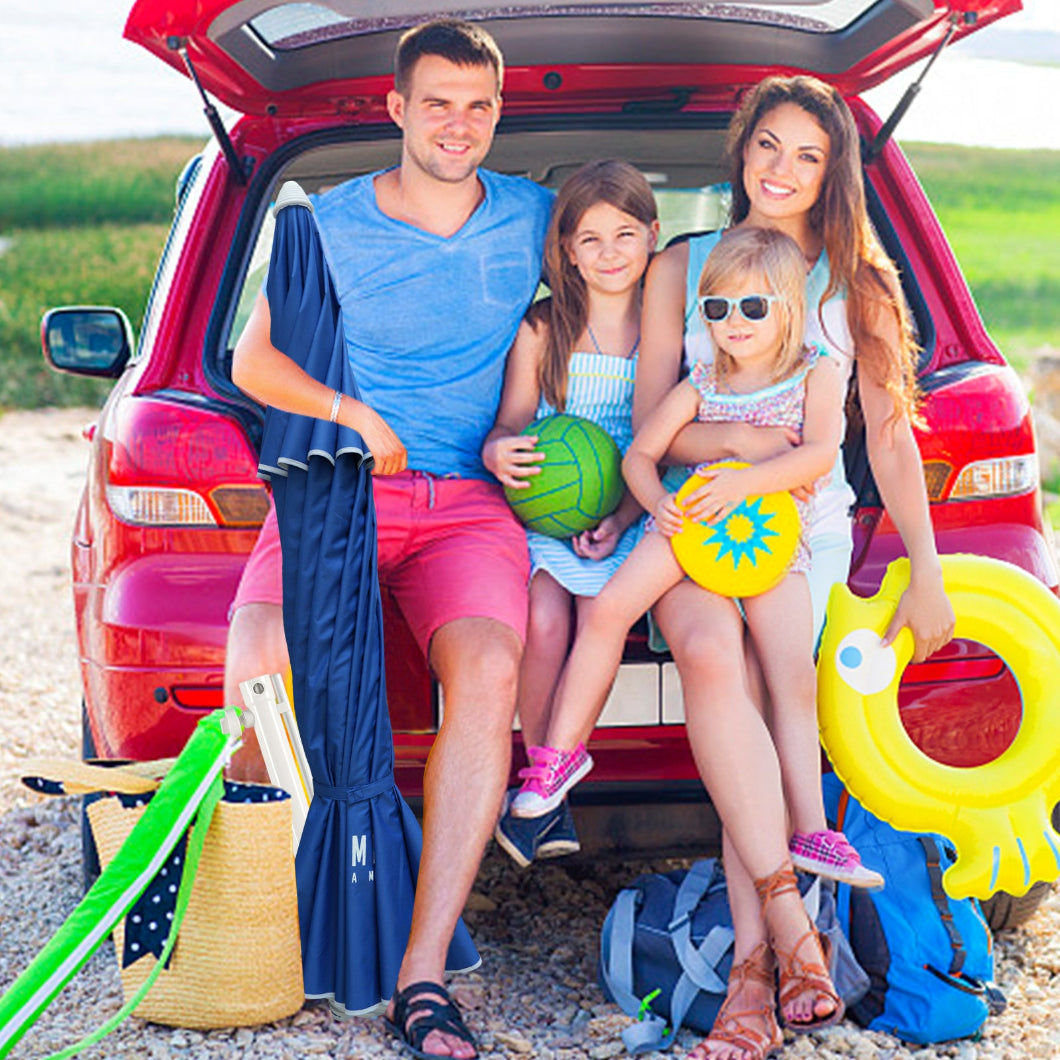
x=997, y=815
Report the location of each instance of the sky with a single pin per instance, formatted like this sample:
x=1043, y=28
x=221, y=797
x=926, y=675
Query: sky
x=970, y=99
x=67, y=74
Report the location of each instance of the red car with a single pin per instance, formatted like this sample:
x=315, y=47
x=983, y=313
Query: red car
x=172, y=501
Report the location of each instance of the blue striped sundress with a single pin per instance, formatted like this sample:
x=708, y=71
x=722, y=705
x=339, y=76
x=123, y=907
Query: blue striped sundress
x=599, y=388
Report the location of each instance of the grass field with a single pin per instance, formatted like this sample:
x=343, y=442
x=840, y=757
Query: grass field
x=105, y=182
x=1001, y=213
x=84, y=223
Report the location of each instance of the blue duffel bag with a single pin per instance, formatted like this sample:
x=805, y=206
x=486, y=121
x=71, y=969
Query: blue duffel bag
x=666, y=951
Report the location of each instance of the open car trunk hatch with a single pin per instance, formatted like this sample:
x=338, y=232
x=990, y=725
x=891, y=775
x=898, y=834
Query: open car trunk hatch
x=301, y=58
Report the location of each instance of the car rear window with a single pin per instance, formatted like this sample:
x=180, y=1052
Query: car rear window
x=683, y=166
x=299, y=25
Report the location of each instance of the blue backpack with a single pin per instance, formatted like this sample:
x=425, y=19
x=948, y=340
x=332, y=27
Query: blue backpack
x=929, y=957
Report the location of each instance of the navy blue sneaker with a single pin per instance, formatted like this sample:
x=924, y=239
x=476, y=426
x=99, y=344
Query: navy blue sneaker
x=561, y=838
x=526, y=838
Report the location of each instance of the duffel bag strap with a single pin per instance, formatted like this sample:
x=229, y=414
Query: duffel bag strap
x=650, y=1033
x=942, y=904
x=699, y=963
x=811, y=900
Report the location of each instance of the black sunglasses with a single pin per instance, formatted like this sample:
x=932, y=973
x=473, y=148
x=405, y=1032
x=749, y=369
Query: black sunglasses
x=753, y=307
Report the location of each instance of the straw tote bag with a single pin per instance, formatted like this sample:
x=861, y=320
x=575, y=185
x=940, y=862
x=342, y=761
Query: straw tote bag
x=237, y=959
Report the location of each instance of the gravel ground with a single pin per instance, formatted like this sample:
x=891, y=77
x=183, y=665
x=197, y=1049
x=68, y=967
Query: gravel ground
x=533, y=996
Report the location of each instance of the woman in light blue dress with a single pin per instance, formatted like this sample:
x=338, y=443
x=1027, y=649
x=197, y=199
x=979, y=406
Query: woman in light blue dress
x=796, y=167
x=576, y=352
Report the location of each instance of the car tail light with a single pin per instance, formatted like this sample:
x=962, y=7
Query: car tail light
x=1000, y=477
x=171, y=464
x=241, y=505
x=159, y=507
x=936, y=475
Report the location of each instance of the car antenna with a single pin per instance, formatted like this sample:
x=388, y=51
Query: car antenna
x=180, y=45
x=896, y=115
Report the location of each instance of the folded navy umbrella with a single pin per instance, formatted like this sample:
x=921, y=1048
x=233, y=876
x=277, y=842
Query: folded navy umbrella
x=357, y=861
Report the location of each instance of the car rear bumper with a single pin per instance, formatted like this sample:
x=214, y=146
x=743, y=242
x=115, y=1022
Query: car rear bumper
x=152, y=649
x=165, y=617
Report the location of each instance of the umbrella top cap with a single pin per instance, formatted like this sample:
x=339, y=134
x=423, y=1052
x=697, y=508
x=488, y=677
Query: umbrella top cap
x=291, y=194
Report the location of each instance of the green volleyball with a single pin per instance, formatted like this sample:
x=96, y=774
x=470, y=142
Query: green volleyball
x=580, y=480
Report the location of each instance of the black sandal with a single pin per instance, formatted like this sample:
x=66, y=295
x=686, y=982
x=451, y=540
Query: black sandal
x=411, y=1028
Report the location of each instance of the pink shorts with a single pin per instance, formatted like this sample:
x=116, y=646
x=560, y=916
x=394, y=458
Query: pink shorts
x=448, y=549
x=262, y=579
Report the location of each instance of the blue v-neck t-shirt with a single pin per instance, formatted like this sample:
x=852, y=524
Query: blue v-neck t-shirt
x=429, y=319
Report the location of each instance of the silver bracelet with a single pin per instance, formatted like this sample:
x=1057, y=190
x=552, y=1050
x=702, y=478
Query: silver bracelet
x=335, y=406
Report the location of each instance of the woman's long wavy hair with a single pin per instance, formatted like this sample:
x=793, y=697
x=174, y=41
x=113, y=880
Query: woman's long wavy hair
x=859, y=264
x=566, y=313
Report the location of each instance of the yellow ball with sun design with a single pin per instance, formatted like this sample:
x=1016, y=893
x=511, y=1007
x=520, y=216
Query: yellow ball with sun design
x=746, y=552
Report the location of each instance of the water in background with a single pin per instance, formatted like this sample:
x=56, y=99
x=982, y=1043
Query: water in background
x=67, y=74
x=986, y=102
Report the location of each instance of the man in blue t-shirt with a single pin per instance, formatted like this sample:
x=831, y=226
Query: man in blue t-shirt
x=434, y=262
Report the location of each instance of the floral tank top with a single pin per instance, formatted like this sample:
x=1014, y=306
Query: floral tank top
x=781, y=405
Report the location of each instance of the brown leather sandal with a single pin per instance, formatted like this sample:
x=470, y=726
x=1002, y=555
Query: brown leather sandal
x=753, y=1030
x=799, y=975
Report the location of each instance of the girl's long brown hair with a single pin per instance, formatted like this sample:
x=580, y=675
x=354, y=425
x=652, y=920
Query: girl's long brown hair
x=566, y=313
x=859, y=265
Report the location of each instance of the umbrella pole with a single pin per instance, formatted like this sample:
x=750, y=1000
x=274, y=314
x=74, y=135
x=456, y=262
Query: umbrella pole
x=269, y=712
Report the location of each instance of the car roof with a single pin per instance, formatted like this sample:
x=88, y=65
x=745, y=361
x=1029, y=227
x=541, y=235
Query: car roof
x=283, y=57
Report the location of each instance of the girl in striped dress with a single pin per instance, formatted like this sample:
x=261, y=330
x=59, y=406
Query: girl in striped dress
x=575, y=352
x=752, y=295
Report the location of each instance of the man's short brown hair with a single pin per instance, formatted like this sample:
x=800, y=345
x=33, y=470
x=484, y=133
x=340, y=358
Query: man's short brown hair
x=462, y=43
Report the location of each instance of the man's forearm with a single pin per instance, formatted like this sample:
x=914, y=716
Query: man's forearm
x=269, y=376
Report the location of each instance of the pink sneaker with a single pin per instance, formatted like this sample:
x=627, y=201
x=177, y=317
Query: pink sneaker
x=830, y=854
x=548, y=778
